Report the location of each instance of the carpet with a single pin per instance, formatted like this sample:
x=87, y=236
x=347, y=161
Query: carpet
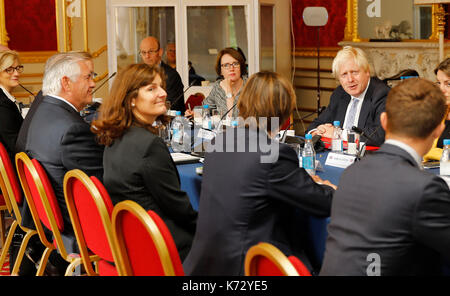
x=5, y=268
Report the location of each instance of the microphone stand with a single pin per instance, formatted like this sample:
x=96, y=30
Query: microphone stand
x=112, y=75
x=283, y=138
x=180, y=96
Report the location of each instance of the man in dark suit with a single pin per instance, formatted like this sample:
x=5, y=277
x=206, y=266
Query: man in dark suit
x=358, y=101
x=390, y=217
x=58, y=137
x=151, y=54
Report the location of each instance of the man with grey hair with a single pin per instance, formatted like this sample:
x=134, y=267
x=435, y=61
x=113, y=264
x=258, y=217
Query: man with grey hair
x=58, y=137
x=358, y=101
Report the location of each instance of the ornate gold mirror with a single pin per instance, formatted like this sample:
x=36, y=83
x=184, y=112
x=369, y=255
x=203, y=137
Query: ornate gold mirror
x=387, y=20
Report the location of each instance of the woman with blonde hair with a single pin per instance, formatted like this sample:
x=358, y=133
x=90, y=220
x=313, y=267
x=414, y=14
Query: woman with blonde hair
x=252, y=185
x=10, y=110
x=137, y=164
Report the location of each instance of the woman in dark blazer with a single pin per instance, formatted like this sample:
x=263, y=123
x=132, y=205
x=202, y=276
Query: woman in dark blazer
x=137, y=164
x=252, y=185
x=10, y=116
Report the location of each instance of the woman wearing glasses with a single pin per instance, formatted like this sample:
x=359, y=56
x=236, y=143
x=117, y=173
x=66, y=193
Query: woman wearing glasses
x=232, y=71
x=10, y=114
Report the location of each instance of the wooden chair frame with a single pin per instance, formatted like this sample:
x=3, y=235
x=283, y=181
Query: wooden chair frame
x=273, y=254
x=74, y=260
x=74, y=217
x=152, y=229
x=13, y=208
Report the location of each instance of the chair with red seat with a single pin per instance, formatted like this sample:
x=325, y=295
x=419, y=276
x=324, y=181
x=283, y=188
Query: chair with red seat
x=90, y=209
x=265, y=259
x=194, y=100
x=144, y=243
x=13, y=199
x=45, y=210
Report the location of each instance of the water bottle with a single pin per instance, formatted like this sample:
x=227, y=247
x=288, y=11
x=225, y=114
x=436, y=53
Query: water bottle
x=177, y=133
x=445, y=159
x=309, y=156
x=206, y=118
x=336, y=142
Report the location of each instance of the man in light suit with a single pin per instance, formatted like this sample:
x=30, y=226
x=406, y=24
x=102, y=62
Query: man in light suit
x=358, y=101
x=58, y=137
x=389, y=216
x=151, y=53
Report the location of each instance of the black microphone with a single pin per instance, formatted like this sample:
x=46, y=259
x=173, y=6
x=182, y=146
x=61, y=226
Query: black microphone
x=27, y=90
x=112, y=75
x=180, y=96
x=283, y=138
x=362, y=133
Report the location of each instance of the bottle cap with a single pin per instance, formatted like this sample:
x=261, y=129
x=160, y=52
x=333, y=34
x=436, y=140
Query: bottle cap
x=336, y=123
x=308, y=136
x=178, y=113
x=446, y=142
x=234, y=123
x=205, y=106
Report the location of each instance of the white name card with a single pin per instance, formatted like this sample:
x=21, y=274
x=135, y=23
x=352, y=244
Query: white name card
x=205, y=134
x=339, y=160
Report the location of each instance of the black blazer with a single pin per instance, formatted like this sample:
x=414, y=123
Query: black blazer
x=174, y=88
x=22, y=137
x=386, y=205
x=138, y=166
x=61, y=141
x=10, y=122
x=369, y=117
x=250, y=197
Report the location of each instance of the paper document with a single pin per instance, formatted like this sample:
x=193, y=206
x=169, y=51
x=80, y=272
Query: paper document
x=184, y=158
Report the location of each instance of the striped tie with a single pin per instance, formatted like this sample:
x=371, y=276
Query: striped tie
x=351, y=114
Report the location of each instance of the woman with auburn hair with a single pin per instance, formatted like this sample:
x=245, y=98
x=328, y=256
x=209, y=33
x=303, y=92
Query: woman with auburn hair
x=10, y=115
x=137, y=164
x=253, y=186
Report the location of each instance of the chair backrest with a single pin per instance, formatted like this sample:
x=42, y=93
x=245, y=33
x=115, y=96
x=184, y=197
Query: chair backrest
x=144, y=243
x=194, y=100
x=90, y=209
x=41, y=199
x=9, y=185
x=265, y=259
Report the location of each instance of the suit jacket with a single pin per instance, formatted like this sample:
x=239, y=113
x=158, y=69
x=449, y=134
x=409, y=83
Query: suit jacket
x=174, y=88
x=138, y=166
x=246, y=199
x=10, y=122
x=389, y=210
x=22, y=137
x=369, y=117
x=61, y=141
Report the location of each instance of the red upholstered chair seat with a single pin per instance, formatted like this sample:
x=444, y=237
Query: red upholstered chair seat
x=2, y=200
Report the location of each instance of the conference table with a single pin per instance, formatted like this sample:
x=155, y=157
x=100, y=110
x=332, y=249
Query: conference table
x=316, y=228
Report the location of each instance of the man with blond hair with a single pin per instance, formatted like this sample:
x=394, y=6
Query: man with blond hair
x=358, y=101
x=389, y=216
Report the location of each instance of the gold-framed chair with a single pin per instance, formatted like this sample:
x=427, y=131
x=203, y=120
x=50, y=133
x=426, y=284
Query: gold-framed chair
x=90, y=209
x=264, y=259
x=13, y=196
x=144, y=243
x=45, y=210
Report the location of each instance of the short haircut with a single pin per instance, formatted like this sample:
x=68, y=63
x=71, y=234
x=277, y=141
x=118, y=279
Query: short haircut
x=414, y=108
x=347, y=53
x=116, y=114
x=235, y=54
x=443, y=66
x=7, y=59
x=267, y=94
x=60, y=65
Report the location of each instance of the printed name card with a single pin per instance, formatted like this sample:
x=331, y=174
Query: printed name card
x=205, y=134
x=340, y=160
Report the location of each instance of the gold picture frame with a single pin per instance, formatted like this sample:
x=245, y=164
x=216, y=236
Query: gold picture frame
x=351, y=28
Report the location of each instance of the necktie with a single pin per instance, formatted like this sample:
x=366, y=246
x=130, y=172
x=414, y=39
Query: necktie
x=19, y=105
x=351, y=115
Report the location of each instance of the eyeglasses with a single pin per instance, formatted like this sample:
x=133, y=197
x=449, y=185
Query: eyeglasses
x=228, y=65
x=10, y=70
x=143, y=52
